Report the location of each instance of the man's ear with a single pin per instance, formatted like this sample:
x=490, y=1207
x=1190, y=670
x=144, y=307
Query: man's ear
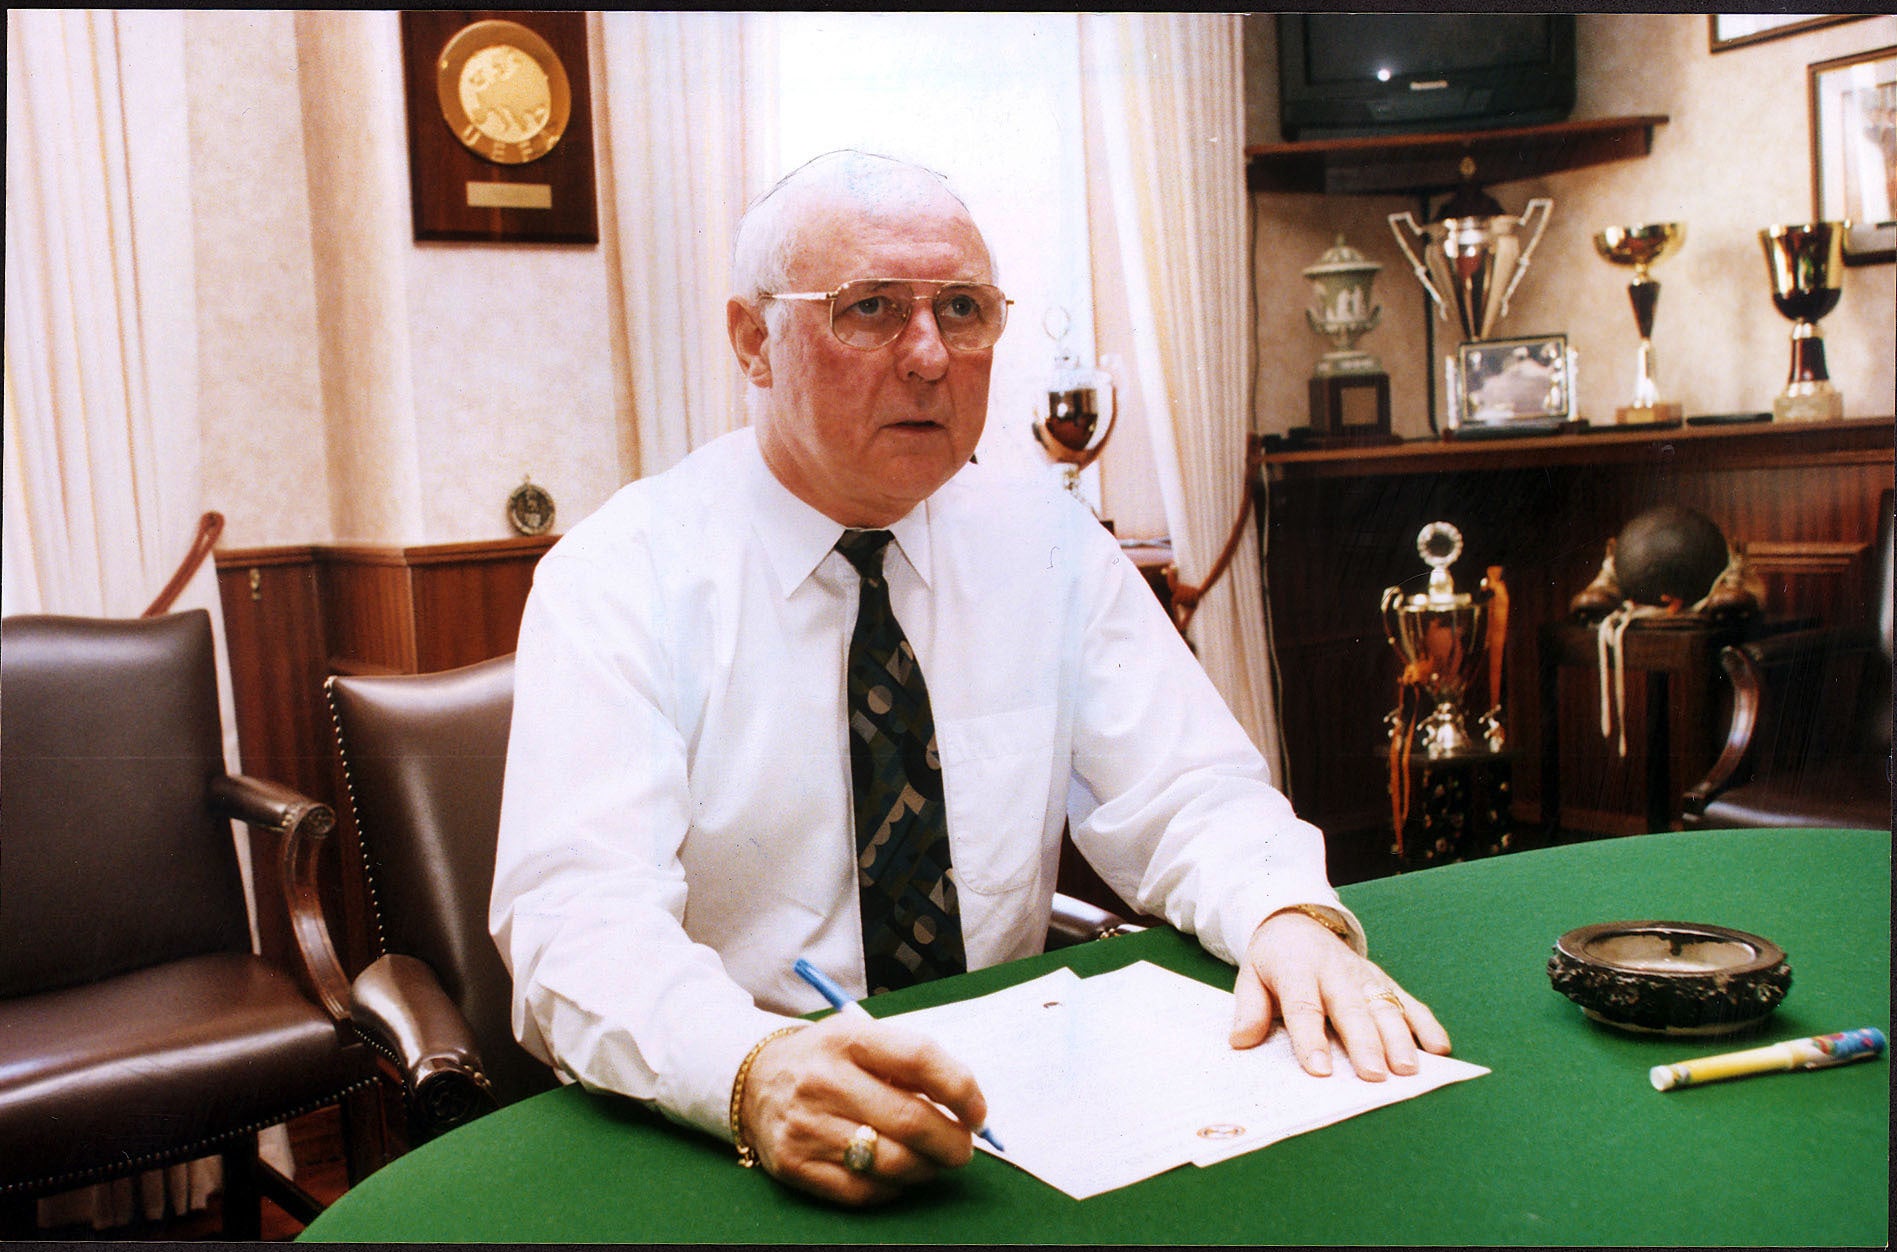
x=750, y=340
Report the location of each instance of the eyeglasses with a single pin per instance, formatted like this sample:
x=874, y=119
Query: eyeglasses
x=870, y=313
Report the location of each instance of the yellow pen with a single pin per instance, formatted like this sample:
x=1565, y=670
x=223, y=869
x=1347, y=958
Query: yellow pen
x=1813, y=1053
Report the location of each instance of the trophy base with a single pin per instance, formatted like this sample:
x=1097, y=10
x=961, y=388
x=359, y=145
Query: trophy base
x=1808, y=402
x=1665, y=414
x=1353, y=405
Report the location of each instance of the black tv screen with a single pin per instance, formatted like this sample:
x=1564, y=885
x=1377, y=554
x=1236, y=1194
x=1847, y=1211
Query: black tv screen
x=1378, y=73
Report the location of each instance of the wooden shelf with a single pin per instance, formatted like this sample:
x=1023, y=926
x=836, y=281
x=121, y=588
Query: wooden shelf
x=1427, y=163
x=1852, y=441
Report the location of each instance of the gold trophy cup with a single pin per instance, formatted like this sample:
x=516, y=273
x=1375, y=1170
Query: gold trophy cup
x=1643, y=247
x=1440, y=635
x=1806, y=264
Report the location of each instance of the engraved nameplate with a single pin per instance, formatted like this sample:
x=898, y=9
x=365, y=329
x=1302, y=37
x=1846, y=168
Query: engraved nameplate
x=510, y=196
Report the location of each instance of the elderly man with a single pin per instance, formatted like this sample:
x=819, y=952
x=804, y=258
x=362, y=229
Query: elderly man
x=827, y=689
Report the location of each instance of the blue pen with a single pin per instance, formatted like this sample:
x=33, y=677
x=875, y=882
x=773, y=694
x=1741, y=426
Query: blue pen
x=841, y=1001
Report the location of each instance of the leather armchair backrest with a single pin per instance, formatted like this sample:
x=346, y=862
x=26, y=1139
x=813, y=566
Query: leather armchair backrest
x=425, y=755
x=110, y=856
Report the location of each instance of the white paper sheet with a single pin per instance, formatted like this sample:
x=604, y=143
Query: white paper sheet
x=1095, y=1083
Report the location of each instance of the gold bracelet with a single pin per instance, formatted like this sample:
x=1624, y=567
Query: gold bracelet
x=1322, y=918
x=746, y=1156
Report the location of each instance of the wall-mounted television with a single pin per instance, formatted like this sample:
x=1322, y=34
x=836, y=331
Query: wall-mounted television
x=1351, y=74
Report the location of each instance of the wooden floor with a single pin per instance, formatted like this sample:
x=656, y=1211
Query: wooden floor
x=315, y=1142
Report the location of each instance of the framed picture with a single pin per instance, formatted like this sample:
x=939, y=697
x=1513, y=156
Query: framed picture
x=1735, y=30
x=1513, y=380
x=1854, y=151
x=500, y=129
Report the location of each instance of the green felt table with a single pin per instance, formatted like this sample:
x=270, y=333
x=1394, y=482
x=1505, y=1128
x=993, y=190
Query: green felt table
x=1564, y=1143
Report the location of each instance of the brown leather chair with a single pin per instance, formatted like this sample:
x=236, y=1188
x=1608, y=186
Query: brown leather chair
x=425, y=755
x=137, y=1028
x=1809, y=743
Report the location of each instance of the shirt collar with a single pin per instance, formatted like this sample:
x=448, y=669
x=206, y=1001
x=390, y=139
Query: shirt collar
x=796, y=537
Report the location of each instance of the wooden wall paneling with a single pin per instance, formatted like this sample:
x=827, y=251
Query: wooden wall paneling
x=368, y=610
x=468, y=599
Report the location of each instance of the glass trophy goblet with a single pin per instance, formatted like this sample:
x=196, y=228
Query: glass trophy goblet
x=1643, y=247
x=1806, y=264
x=1080, y=409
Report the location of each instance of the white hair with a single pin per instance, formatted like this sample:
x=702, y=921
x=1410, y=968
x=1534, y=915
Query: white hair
x=770, y=234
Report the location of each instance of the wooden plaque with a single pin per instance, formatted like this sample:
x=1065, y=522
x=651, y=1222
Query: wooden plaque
x=500, y=126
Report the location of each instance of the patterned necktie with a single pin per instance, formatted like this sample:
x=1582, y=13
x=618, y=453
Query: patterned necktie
x=912, y=929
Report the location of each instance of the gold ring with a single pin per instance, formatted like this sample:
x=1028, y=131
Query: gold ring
x=1386, y=994
x=860, y=1156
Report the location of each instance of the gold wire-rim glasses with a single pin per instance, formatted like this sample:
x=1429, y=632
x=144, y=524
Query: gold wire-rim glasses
x=859, y=321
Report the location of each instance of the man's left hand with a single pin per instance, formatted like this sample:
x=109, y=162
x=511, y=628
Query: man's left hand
x=1297, y=968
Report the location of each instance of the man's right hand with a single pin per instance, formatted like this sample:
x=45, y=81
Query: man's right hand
x=810, y=1090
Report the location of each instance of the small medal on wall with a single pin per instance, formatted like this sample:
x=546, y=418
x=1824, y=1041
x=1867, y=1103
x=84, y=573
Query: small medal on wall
x=500, y=133
x=530, y=508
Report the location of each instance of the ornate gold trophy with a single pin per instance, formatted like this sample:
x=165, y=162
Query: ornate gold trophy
x=1443, y=637
x=1806, y=264
x=1440, y=635
x=1643, y=247
x=1079, y=414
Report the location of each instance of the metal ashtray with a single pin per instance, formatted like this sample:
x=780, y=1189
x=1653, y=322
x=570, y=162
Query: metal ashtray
x=1672, y=978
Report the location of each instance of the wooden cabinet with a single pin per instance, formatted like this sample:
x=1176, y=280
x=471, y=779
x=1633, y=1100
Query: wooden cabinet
x=1340, y=525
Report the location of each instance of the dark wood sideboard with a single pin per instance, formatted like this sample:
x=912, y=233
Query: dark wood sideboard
x=1339, y=525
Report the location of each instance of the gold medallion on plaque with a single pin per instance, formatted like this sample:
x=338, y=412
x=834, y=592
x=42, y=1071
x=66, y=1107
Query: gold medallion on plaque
x=503, y=92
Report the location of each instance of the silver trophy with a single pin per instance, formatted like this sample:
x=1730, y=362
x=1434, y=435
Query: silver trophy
x=1473, y=264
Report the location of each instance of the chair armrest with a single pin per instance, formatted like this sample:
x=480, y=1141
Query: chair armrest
x=1075, y=921
x=399, y=1006
x=1748, y=693
x=1771, y=669
x=301, y=825
x=1796, y=646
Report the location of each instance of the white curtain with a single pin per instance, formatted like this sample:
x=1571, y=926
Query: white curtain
x=680, y=161
x=103, y=482
x=1169, y=88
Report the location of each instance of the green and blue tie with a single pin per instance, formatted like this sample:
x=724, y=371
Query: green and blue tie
x=912, y=927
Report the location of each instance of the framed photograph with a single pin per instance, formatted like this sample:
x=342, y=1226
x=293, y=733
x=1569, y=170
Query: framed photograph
x=1735, y=30
x=1514, y=380
x=500, y=129
x=1854, y=151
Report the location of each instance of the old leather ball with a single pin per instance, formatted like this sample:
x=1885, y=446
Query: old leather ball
x=1669, y=552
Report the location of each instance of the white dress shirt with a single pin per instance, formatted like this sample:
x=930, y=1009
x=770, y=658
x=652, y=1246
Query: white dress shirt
x=676, y=829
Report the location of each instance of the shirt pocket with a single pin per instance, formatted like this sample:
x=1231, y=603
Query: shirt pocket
x=996, y=771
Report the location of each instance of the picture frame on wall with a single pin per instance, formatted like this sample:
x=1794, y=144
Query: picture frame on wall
x=1854, y=151
x=1736, y=30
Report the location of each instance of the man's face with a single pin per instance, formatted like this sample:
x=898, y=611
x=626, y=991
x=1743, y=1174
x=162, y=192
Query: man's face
x=865, y=435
